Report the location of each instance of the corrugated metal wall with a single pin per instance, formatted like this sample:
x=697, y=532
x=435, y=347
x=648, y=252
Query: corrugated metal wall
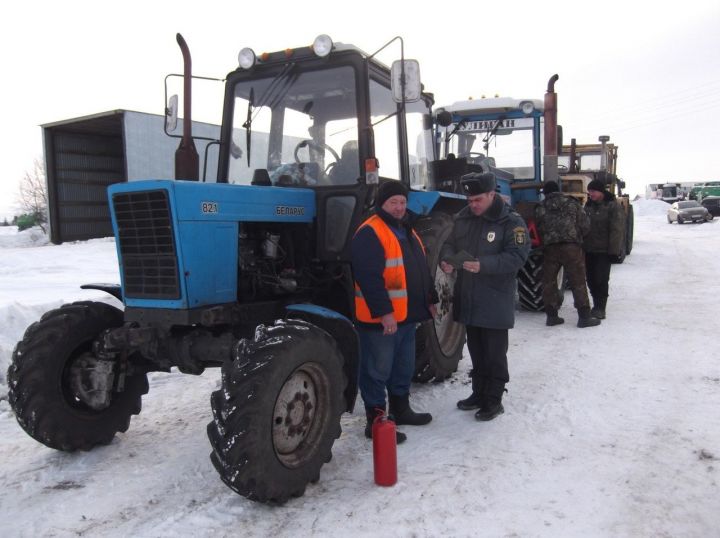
x=82, y=159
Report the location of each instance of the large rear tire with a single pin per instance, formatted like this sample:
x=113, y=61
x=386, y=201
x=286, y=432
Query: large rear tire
x=439, y=342
x=40, y=380
x=530, y=289
x=278, y=411
x=630, y=230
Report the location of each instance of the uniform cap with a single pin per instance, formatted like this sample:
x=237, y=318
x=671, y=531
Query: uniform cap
x=474, y=183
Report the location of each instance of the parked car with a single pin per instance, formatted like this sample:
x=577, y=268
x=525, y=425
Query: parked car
x=692, y=195
x=712, y=204
x=689, y=211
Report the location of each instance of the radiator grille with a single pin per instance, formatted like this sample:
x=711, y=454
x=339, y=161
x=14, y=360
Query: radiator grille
x=147, y=245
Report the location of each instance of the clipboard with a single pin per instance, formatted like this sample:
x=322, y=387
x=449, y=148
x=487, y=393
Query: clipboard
x=459, y=258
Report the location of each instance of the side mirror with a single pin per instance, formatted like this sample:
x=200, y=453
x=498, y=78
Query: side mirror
x=171, y=114
x=412, y=88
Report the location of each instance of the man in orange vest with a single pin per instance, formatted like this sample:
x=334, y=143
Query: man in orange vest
x=394, y=291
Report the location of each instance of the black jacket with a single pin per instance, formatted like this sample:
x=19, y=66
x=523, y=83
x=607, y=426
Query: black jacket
x=607, y=226
x=499, y=239
x=368, y=264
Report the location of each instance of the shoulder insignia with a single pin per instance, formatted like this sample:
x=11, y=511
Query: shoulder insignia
x=519, y=233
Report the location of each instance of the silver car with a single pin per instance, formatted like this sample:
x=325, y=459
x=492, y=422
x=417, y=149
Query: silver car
x=689, y=211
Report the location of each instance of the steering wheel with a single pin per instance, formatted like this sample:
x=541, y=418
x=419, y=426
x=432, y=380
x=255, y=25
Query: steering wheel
x=476, y=154
x=317, y=146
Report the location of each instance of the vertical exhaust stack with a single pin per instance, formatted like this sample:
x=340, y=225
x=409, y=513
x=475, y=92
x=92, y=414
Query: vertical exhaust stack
x=573, y=157
x=550, y=168
x=187, y=165
x=604, y=139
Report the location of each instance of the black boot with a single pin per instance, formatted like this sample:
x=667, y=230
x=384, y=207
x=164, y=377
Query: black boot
x=586, y=319
x=475, y=400
x=403, y=413
x=491, y=408
x=552, y=317
x=598, y=310
x=371, y=414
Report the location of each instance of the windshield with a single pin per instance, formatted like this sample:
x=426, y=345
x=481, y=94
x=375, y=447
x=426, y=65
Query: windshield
x=687, y=205
x=505, y=144
x=296, y=128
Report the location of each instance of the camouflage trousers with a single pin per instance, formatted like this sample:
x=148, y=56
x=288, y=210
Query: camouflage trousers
x=572, y=258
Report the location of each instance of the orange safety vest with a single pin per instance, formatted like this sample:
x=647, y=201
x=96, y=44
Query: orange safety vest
x=394, y=273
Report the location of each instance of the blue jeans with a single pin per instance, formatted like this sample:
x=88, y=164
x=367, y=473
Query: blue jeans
x=386, y=362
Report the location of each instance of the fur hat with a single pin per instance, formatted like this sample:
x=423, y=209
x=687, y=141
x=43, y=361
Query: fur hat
x=596, y=185
x=389, y=189
x=550, y=187
x=474, y=183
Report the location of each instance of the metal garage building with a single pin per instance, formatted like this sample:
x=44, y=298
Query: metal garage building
x=85, y=155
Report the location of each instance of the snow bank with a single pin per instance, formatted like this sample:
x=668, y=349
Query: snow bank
x=32, y=237
x=645, y=207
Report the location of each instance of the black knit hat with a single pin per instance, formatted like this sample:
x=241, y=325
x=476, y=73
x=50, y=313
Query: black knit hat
x=550, y=187
x=596, y=185
x=474, y=183
x=389, y=189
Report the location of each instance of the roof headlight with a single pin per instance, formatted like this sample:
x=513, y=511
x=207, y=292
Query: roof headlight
x=246, y=58
x=527, y=107
x=322, y=46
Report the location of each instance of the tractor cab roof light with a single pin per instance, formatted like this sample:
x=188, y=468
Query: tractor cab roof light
x=527, y=107
x=323, y=45
x=246, y=58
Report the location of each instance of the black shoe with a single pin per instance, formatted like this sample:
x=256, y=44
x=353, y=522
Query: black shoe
x=403, y=413
x=554, y=320
x=474, y=401
x=588, y=322
x=490, y=411
x=598, y=313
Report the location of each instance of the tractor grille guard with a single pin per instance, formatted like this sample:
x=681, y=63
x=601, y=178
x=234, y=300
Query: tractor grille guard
x=147, y=245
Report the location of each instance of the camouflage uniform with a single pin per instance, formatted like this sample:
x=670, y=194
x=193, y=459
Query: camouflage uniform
x=562, y=224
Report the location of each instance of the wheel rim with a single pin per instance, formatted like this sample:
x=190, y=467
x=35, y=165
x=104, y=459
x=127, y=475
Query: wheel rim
x=446, y=330
x=298, y=417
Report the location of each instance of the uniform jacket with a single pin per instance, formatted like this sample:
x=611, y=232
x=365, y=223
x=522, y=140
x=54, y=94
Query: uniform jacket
x=561, y=219
x=499, y=240
x=368, y=264
x=607, y=226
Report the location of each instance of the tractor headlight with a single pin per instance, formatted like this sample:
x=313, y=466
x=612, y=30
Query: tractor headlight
x=527, y=107
x=322, y=45
x=246, y=58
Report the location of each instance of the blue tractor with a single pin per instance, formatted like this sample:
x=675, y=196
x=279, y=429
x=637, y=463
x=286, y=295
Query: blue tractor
x=249, y=270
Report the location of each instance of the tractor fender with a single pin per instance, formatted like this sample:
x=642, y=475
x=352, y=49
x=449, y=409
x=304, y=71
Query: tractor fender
x=344, y=333
x=113, y=289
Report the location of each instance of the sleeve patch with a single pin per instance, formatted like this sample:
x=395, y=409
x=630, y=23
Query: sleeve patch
x=520, y=235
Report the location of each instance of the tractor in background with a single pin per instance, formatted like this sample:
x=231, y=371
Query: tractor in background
x=249, y=269
x=581, y=164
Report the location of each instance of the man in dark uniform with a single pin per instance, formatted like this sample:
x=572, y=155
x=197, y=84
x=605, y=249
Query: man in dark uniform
x=604, y=242
x=394, y=291
x=496, y=239
x=562, y=224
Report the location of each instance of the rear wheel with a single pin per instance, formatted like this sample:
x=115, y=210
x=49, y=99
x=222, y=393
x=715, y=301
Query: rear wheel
x=49, y=374
x=530, y=289
x=278, y=411
x=439, y=342
x=630, y=230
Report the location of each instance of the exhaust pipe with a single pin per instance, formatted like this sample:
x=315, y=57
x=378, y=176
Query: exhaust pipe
x=550, y=167
x=604, y=139
x=187, y=165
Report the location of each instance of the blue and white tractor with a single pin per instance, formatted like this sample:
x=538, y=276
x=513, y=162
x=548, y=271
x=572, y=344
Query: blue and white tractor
x=248, y=269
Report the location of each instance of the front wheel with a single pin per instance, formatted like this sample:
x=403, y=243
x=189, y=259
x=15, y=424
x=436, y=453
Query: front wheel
x=278, y=411
x=47, y=375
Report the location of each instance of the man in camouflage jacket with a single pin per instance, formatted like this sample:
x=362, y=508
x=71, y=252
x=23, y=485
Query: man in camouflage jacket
x=604, y=243
x=563, y=224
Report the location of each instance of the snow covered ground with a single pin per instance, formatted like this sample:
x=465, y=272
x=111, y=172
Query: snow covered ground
x=608, y=431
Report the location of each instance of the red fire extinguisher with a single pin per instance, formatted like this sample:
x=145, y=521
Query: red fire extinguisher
x=384, y=450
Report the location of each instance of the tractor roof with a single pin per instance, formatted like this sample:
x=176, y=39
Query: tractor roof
x=491, y=106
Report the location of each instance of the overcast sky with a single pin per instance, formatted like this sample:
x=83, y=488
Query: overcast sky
x=647, y=75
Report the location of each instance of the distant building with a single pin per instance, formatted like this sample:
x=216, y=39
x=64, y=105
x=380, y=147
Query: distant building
x=83, y=156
